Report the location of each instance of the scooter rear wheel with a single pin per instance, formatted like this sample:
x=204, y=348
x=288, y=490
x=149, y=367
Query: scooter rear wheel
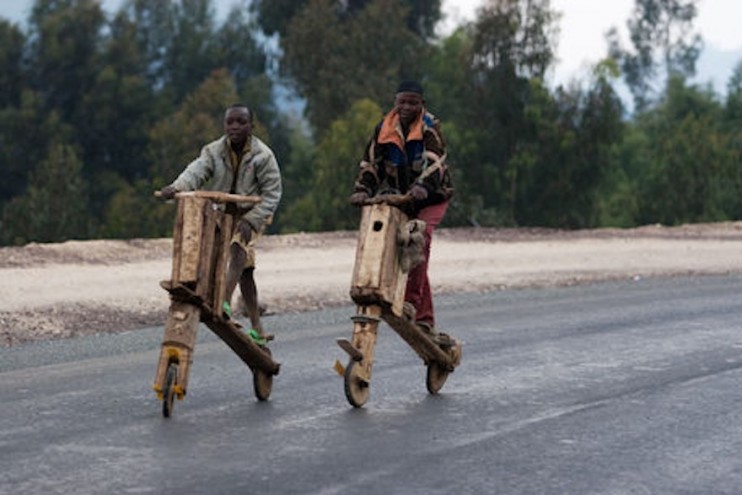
x=436, y=377
x=262, y=381
x=356, y=388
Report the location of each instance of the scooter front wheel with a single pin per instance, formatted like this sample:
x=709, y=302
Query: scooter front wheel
x=356, y=388
x=168, y=391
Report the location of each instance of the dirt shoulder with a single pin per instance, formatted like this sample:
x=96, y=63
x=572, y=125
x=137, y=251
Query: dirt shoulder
x=52, y=291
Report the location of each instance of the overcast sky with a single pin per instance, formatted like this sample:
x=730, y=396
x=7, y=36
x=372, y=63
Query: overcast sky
x=584, y=23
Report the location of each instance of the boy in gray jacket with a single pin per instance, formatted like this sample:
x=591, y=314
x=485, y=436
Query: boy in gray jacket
x=238, y=163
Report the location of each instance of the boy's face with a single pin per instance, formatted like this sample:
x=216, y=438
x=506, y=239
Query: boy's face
x=409, y=106
x=237, y=125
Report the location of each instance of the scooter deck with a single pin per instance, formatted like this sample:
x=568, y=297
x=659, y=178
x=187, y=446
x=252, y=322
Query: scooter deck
x=251, y=353
x=425, y=347
x=229, y=331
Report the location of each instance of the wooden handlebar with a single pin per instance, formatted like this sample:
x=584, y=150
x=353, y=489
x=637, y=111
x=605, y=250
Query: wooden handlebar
x=390, y=199
x=219, y=197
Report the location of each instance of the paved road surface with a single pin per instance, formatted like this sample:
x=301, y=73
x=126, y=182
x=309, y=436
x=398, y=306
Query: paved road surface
x=619, y=388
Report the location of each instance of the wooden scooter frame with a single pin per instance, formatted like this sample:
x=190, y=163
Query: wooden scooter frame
x=378, y=288
x=201, y=241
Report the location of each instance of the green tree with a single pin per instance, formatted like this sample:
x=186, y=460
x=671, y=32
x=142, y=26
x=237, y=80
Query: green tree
x=662, y=39
x=449, y=84
x=618, y=203
x=193, y=53
x=693, y=172
x=733, y=107
x=733, y=125
x=297, y=178
x=155, y=34
x=240, y=52
x=515, y=37
x=450, y=87
x=356, y=61
x=177, y=139
x=26, y=133
x=557, y=171
x=54, y=206
x=512, y=47
x=182, y=43
x=134, y=212
x=12, y=74
x=275, y=15
x=64, y=36
x=237, y=48
x=325, y=206
x=120, y=107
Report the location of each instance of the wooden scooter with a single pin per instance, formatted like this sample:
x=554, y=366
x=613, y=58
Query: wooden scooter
x=378, y=287
x=201, y=240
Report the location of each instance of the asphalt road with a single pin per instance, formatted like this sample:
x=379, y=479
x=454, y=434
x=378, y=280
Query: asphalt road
x=619, y=388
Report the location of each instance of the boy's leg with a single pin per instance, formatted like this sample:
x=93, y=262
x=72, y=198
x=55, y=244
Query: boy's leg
x=235, y=268
x=250, y=296
x=418, y=291
x=243, y=256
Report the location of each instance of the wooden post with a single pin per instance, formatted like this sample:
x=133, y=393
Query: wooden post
x=377, y=277
x=178, y=343
x=187, y=241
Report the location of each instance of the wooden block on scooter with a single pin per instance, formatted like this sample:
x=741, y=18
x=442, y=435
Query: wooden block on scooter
x=181, y=326
x=178, y=342
x=377, y=277
x=187, y=239
x=206, y=260
x=201, y=249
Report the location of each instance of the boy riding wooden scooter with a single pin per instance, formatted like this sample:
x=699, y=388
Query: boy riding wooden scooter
x=405, y=156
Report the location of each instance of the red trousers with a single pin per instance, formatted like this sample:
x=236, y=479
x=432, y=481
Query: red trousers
x=418, y=291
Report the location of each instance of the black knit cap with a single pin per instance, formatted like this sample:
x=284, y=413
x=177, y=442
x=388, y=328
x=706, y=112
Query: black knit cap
x=410, y=87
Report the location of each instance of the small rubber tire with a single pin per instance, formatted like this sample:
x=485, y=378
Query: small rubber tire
x=168, y=391
x=356, y=388
x=436, y=377
x=262, y=382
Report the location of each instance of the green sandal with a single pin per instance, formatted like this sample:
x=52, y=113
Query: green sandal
x=226, y=310
x=256, y=337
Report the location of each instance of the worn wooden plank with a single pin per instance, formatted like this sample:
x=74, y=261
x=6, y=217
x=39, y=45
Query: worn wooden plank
x=178, y=343
x=207, y=249
x=371, y=247
x=247, y=350
x=347, y=346
x=220, y=197
x=365, y=331
x=191, y=235
x=177, y=243
x=419, y=341
x=377, y=278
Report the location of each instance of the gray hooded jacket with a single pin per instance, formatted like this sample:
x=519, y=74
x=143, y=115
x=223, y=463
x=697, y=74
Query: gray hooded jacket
x=258, y=175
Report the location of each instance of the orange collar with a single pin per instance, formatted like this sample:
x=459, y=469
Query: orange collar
x=391, y=130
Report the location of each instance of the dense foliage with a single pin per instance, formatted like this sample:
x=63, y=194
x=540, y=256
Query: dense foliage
x=98, y=110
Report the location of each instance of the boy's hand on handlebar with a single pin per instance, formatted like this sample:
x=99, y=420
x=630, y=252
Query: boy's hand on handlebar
x=168, y=192
x=359, y=198
x=245, y=230
x=418, y=192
